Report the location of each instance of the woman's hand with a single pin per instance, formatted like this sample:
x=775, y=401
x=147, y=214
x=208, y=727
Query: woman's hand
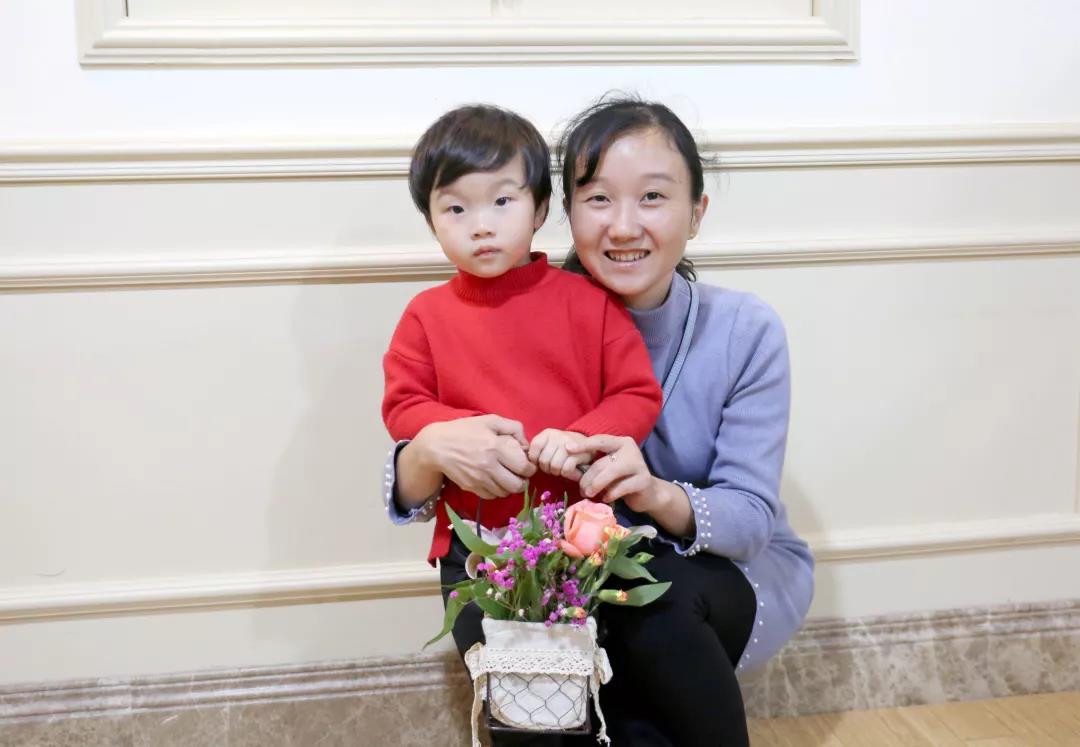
x=484, y=454
x=618, y=471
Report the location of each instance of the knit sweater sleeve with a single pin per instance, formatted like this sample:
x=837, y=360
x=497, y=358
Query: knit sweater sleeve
x=411, y=395
x=735, y=511
x=631, y=398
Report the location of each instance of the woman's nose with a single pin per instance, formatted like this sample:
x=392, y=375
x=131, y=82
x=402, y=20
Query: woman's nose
x=624, y=225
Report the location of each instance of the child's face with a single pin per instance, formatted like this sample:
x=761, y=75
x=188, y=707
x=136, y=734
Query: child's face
x=485, y=221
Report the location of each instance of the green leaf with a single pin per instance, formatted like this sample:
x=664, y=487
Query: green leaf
x=492, y=608
x=528, y=594
x=585, y=568
x=632, y=539
x=454, y=605
x=470, y=539
x=526, y=507
x=642, y=557
x=642, y=595
x=628, y=569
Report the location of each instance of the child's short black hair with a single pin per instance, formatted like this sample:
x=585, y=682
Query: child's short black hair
x=477, y=138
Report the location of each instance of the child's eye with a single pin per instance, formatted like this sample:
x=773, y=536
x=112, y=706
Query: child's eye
x=502, y=201
x=596, y=198
x=455, y=209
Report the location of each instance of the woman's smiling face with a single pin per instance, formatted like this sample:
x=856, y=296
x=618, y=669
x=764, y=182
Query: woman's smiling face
x=631, y=222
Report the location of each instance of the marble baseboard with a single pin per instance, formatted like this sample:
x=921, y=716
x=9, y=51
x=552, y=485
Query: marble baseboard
x=832, y=665
x=936, y=657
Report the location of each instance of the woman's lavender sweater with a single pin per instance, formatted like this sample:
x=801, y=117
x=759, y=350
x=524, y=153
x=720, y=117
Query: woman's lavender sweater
x=721, y=436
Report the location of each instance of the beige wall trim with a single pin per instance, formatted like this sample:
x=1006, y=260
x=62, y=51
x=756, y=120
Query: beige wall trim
x=938, y=538
x=219, y=591
x=409, y=578
x=109, y=36
x=842, y=664
x=415, y=261
x=323, y=156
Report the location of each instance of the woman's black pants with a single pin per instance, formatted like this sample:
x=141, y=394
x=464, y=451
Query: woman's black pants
x=673, y=660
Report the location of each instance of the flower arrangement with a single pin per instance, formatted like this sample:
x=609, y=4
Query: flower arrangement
x=551, y=564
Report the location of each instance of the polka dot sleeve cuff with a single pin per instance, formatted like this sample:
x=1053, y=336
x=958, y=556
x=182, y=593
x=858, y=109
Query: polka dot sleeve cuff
x=702, y=521
x=423, y=512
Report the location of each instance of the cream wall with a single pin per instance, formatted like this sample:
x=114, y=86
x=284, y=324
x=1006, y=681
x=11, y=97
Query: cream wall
x=199, y=270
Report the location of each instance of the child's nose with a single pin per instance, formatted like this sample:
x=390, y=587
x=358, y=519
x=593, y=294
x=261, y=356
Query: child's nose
x=481, y=229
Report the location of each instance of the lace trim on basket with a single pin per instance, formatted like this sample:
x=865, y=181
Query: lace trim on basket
x=538, y=661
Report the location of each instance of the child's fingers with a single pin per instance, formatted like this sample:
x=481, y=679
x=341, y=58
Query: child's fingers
x=537, y=446
x=543, y=460
x=558, y=459
x=572, y=467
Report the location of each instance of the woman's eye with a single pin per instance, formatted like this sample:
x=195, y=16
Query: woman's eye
x=596, y=198
x=502, y=201
x=653, y=196
x=456, y=209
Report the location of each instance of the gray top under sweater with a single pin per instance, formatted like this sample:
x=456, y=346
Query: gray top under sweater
x=721, y=437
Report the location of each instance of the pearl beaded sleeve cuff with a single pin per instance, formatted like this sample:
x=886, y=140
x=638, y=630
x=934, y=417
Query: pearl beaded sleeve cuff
x=702, y=521
x=423, y=512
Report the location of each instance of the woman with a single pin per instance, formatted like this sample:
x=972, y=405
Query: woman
x=708, y=476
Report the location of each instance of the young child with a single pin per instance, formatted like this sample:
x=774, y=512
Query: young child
x=509, y=334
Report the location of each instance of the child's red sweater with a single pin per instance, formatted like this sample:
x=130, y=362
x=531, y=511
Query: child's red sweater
x=536, y=344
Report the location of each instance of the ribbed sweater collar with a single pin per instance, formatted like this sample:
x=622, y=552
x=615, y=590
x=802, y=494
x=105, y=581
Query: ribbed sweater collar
x=664, y=324
x=494, y=290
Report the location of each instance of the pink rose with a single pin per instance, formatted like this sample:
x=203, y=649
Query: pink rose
x=583, y=528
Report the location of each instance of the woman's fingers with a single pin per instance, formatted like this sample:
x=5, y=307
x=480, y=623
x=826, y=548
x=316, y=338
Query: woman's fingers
x=481, y=492
x=624, y=486
x=514, y=458
x=507, y=427
x=599, y=476
x=606, y=444
x=506, y=482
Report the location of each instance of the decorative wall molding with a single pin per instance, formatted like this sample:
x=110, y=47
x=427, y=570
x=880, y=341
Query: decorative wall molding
x=944, y=537
x=315, y=265
x=345, y=156
x=408, y=578
x=110, y=35
x=831, y=665
x=309, y=586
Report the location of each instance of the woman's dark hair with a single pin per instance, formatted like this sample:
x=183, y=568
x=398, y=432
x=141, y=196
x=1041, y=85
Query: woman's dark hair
x=590, y=133
x=477, y=138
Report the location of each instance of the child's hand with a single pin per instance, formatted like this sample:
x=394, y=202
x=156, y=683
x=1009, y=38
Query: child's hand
x=548, y=452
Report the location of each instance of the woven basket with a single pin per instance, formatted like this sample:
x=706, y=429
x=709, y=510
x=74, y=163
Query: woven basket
x=538, y=678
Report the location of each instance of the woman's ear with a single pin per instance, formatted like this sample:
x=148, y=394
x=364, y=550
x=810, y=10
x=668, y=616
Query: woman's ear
x=541, y=214
x=697, y=214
